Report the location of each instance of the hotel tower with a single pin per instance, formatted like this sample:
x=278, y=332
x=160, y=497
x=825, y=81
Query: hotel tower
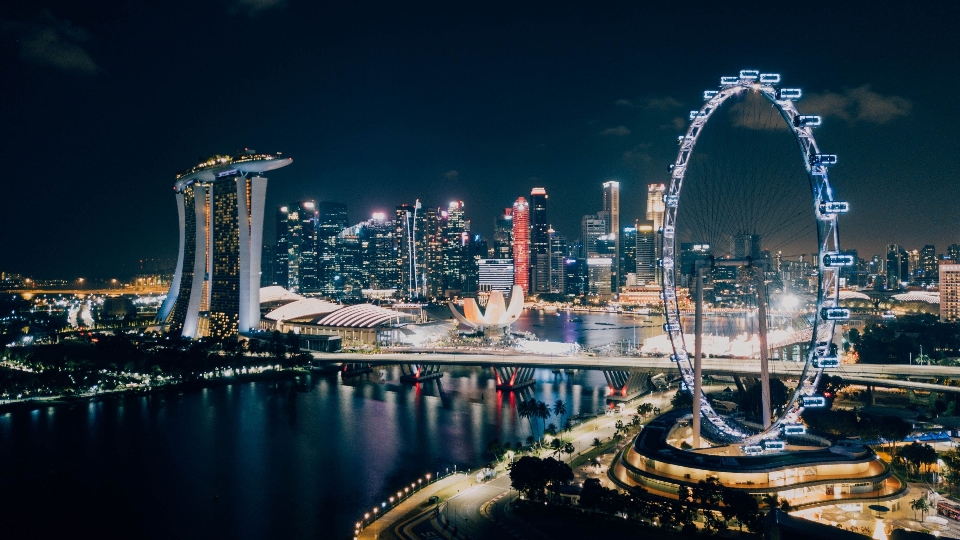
x=220, y=204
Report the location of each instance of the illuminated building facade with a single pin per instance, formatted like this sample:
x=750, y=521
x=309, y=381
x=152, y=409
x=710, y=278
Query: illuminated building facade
x=949, y=291
x=539, y=242
x=295, y=263
x=611, y=211
x=521, y=244
x=503, y=235
x=220, y=204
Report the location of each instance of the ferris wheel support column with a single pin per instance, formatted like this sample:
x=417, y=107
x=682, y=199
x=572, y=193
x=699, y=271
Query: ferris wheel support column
x=698, y=359
x=764, y=353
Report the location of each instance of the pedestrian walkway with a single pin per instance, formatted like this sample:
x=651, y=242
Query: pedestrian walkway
x=380, y=528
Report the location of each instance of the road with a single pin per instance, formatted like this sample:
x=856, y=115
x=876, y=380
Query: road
x=886, y=375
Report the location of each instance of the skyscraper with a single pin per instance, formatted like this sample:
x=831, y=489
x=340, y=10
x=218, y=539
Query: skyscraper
x=611, y=208
x=949, y=276
x=503, y=235
x=646, y=253
x=295, y=264
x=456, y=240
x=521, y=244
x=539, y=242
x=928, y=262
x=220, y=202
x=332, y=220
x=558, y=254
x=380, y=255
x=591, y=228
x=655, y=206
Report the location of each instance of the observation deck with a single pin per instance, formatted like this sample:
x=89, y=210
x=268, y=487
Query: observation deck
x=247, y=161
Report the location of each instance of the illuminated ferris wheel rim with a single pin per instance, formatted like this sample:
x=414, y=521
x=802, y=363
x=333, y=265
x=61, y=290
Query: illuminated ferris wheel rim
x=826, y=210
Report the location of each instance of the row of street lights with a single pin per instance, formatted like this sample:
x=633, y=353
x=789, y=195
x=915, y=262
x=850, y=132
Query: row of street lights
x=370, y=517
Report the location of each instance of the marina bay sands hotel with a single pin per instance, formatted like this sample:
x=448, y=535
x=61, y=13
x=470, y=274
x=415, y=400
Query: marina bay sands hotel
x=220, y=204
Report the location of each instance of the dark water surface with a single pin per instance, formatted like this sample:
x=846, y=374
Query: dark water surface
x=289, y=459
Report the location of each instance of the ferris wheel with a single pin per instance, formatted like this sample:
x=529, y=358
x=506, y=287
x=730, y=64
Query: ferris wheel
x=824, y=305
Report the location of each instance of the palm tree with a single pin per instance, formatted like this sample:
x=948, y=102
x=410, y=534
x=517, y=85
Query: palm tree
x=596, y=443
x=542, y=412
x=920, y=505
x=560, y=409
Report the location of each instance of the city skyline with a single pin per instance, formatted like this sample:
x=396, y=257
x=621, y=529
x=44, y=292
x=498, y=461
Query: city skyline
x=605, y=106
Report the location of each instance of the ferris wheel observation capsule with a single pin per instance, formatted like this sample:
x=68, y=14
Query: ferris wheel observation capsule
x=709, y=94
x=823, y=159
x=749, y=74
x=836, y=259
x=770, y=78
x=789, y=94
x=794, y=429
x=834, y=314
x=834, y=207
x=807, y=120
x=826, y=362
x=813, y=401
x=729, y=81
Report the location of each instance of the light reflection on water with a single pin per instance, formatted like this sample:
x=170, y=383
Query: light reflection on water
x=253, y=460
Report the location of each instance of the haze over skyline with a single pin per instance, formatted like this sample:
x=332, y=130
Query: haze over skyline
x=383, y=105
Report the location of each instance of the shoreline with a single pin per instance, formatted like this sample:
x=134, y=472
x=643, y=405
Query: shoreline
x=198, y=384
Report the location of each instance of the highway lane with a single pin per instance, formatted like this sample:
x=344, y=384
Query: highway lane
x=887, y=375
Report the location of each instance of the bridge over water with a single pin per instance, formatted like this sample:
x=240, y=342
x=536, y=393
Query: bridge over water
x=911, y=377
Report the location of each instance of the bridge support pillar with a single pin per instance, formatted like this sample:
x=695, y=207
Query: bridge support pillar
x=871, y=396
x=511, y=378
x=414, y=373
x=626, y=385
x=355, y=368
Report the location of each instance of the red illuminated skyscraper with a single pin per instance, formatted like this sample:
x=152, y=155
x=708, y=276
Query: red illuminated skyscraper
x=521, y=244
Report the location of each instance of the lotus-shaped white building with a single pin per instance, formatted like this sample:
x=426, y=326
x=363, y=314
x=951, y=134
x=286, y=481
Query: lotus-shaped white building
x=497, y=315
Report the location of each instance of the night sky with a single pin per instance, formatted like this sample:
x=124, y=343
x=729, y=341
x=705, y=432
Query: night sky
x=101, y=103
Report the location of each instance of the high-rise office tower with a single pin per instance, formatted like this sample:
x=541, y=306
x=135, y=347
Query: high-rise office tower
x=628, y=254
x=655, y=211
x=380, y=255
x=558, y=254
x=409, y=238
x=598, y=269
x=896, y=257
x=521, y=244
x=503, y=235
x=928, y=262
x=456, y=240
x=332, y=220
x=655, y=205
x=295, y=263
x=953, y=251
x=349, y=279
x=746, y=246
x=611, y=208
x=646, y=253
x=216, y=287
x=591, y=228
x=539, y=242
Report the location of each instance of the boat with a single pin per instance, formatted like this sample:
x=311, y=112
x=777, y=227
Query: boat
x=549, y=309
x=605, y=323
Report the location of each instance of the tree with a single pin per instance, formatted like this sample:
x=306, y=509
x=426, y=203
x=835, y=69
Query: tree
x=920, y=505
x=591, y=493
x=560, y=410
x=496, y=449
x=596, y=443
x=644, y=409
x=542, y=412
x=526, y=476
x=743, y=506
